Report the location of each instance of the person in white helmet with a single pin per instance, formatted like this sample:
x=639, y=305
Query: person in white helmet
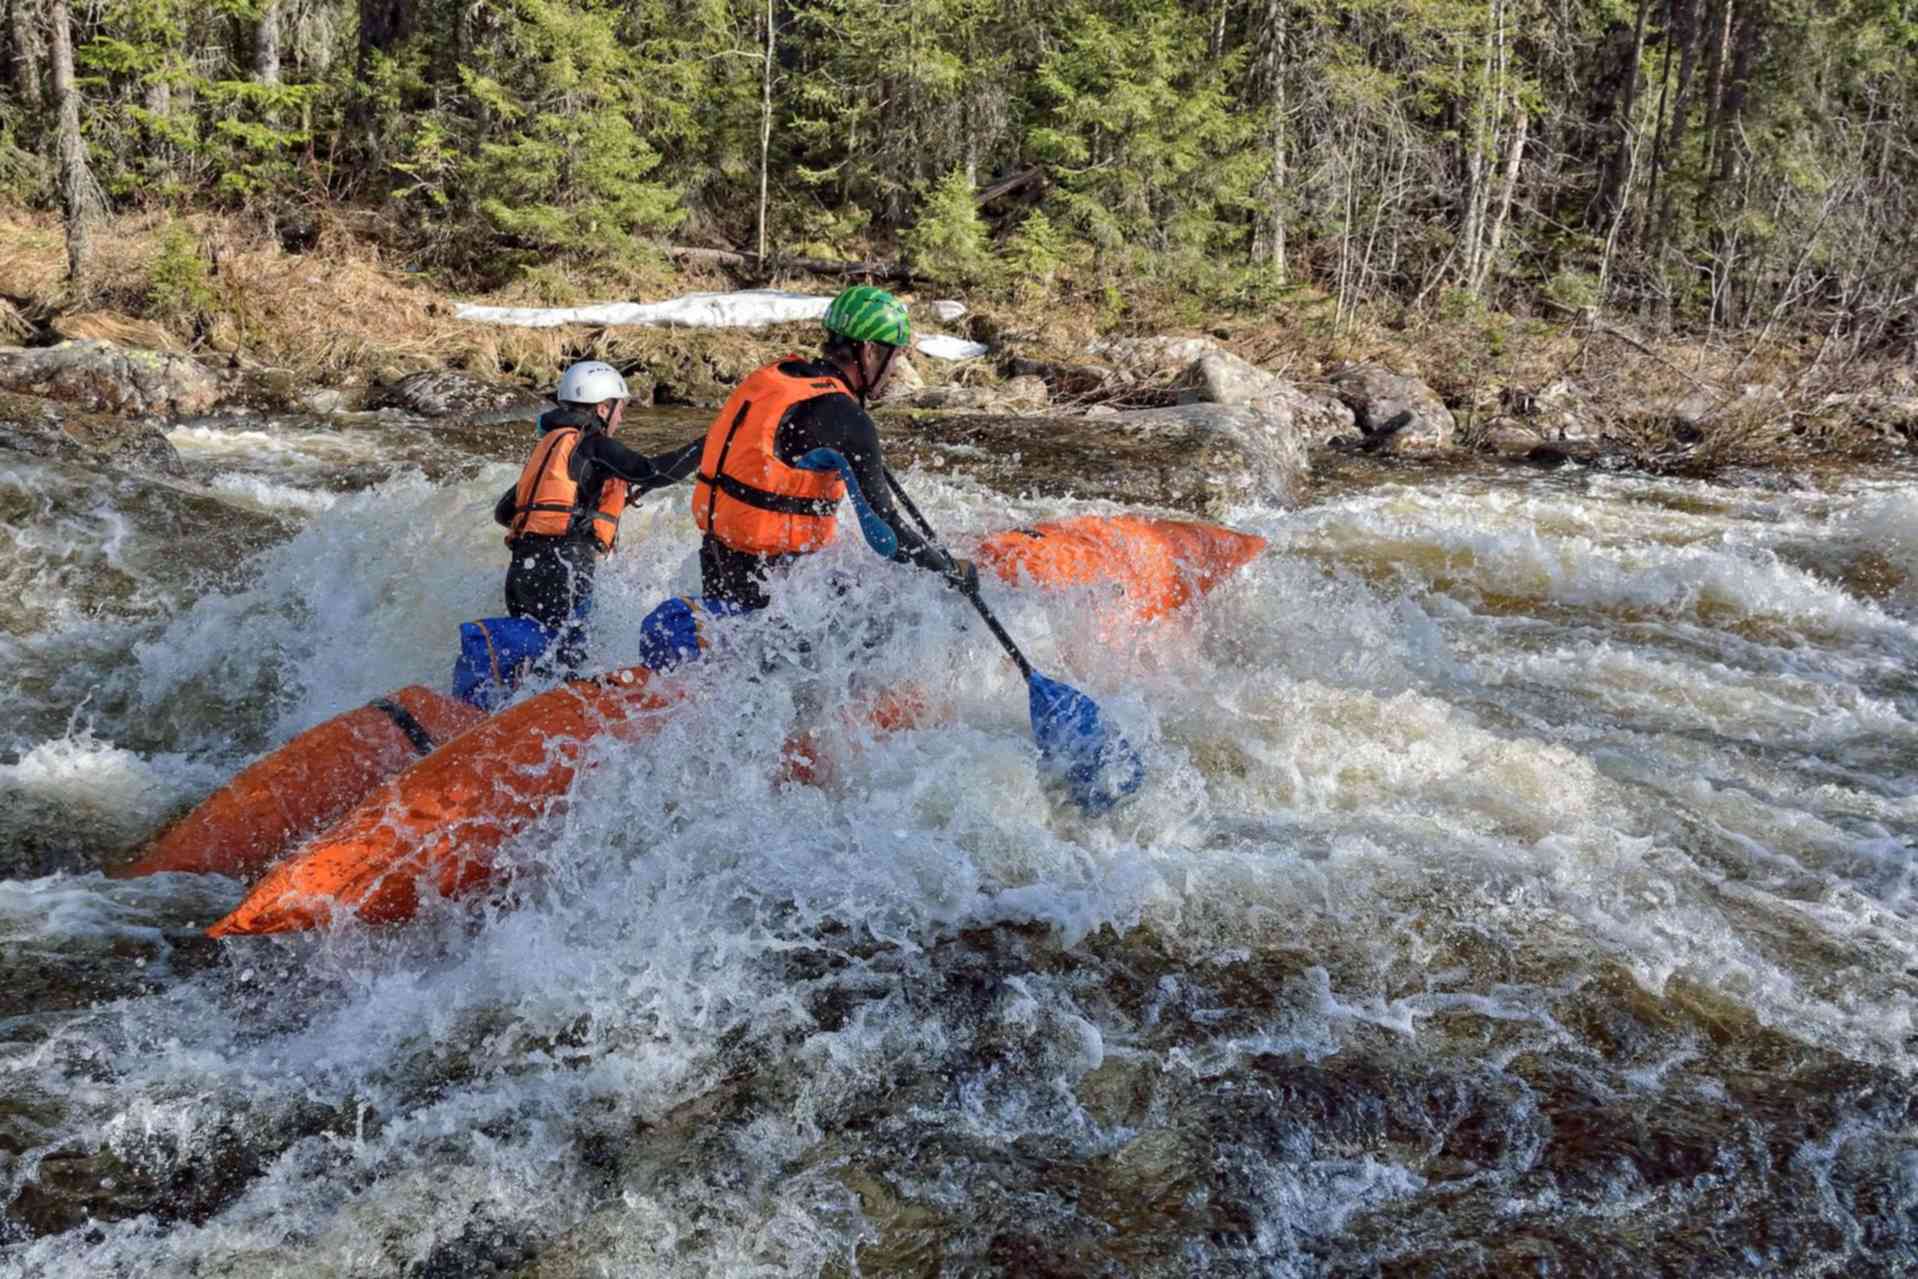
x=563, y=513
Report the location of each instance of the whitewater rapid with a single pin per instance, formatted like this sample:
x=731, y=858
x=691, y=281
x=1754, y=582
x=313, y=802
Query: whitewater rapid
x=1523, y=879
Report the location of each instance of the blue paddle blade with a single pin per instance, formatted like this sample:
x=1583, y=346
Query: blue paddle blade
x=1097, y=766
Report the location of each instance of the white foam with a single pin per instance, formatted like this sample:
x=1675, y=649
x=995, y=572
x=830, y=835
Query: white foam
x=271, y=496
x=1462, y=750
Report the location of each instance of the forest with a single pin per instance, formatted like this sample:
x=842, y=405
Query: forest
x=1696, y=165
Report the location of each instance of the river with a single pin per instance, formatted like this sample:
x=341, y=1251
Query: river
x=1523, y=884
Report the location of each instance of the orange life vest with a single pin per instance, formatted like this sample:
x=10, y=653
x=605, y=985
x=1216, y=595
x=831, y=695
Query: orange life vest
x=744, y=495
x=547, y=500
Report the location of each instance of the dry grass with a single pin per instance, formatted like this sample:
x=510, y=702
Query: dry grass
x=14, y=326
x=114, y=327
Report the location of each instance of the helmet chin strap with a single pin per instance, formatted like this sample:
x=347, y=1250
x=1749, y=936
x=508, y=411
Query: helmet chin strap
x=870, y=382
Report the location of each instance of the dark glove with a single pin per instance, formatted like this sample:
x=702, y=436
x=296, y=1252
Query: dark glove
x=961, y=575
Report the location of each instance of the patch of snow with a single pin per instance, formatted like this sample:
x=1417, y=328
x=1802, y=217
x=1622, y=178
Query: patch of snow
x=746, y=308
x=941, y=347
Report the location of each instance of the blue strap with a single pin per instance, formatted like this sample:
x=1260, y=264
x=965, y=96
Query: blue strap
x=879, y=534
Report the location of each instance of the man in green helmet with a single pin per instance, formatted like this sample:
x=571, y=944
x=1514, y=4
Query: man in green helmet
x=794, y=440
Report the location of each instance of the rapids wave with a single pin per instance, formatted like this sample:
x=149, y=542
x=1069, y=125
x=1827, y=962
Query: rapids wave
x=1523, y=883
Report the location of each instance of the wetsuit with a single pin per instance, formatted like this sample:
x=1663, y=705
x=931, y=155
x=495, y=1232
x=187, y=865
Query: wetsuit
x=839, y=424
x=550, y=578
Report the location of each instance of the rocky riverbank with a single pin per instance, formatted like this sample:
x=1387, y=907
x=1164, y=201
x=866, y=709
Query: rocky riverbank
x=1064, y=396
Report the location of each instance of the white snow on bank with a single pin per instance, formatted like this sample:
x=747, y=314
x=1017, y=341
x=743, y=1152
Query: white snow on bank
x=747, y=308
x=941, y=347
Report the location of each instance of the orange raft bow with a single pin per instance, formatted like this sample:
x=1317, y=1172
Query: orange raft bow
x=442, y=819
x=744, y=495
x=1159, y=564
x=546, y=503
x=305, y=786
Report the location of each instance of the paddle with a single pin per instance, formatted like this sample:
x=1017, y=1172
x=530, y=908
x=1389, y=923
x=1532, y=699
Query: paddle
x=1097, y=765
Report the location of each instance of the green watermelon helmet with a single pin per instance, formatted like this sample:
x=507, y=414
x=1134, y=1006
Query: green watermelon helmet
x=865, y=314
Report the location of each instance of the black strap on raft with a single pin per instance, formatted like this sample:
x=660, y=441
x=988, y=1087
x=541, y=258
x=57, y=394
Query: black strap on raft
x=403, y=720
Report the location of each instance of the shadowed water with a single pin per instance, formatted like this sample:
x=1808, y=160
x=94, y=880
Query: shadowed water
x=1522, y=885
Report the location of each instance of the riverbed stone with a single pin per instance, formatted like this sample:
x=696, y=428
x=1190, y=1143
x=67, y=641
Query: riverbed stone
x=1152, y=357
x=904, y=383
x=1070, y=381
x=1220, y=377
x=105, y=377
x=1561, y=412
x=1205, y=459
x=39, y=427
x=1394, y=411
x=443, y=393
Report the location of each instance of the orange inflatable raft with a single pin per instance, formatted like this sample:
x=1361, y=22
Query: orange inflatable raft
x=305, y=786
x=1157, y=564
x=440, y=820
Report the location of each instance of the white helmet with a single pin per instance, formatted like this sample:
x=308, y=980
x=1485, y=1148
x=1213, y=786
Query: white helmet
x=590, y=382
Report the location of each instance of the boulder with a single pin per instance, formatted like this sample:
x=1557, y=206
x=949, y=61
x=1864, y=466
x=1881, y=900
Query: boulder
x=1024, y=393
x=40, y=428
x=1394, y=411
x=105, y=377
x=1152, y=357
x=1220, y=377
x=904, y=384
x=1201, y=458
x=438, y=393
x=1509, y=437
x=325, y=400
x=1561, y=413
x=946, y=310
x=1070, y=381
x=1019, y=394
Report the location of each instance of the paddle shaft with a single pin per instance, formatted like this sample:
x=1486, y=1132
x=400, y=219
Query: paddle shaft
x=972, y=592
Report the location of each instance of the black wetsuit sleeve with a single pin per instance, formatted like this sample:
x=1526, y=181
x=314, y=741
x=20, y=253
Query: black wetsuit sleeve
x=642, y=473
x=837, y=422
x=503, y=509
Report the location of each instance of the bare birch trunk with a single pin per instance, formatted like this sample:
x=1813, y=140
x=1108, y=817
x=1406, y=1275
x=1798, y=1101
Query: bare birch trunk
x=1506, y=190
x=266, y=43
x=23, y=33
x=765, y=126
x=76, y=182
x=1268, y=243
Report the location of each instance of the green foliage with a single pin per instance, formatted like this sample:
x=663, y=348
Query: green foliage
x=1223, y=155
x=948, y=242
x=1036, y=252
x=1572, y=288
x=561, y=164
x=1137, y=119
x=178, y=285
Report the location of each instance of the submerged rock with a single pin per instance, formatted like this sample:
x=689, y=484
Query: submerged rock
x=1202, y=458
x=40, y=428
x=1024, y=393
x=105, y=377
x=438, y=393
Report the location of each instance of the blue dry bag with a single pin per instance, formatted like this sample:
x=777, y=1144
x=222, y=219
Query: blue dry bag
x=495, y=654
x=675, y=632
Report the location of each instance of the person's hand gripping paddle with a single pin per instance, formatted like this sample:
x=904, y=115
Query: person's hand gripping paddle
x=1077, y=747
